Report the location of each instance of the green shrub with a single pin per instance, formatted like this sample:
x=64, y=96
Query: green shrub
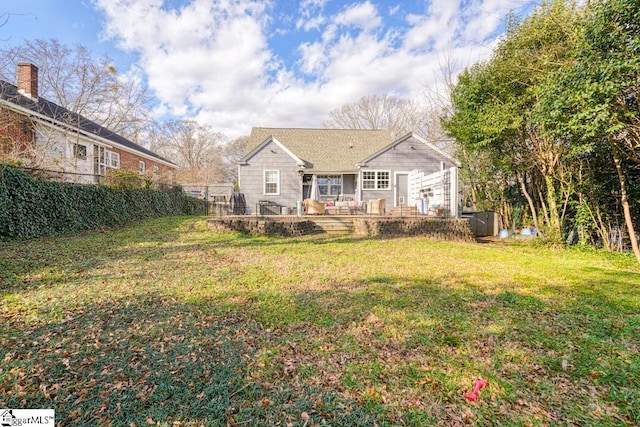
x=126, y=178
x=31, y=207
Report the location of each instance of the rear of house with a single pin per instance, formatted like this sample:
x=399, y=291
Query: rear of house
x=286, y=166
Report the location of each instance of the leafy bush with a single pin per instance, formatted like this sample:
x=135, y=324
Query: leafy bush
x=30, y=207
x=126, y=178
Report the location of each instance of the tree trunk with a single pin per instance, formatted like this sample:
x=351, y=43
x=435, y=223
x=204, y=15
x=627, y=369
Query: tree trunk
x=555, y=230
x=474, y=197
x=601, y=226
x=505, y=214
x=532, y=206
x=624, y=201
x=543, y=205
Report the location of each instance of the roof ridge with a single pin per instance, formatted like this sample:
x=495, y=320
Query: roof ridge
x=322, y=129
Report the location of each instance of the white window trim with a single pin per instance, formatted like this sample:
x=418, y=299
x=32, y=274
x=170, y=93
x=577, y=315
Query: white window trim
x=111, y=159
x=329, y=185
x=264, y=182
x=376, y=180
x=142, y=166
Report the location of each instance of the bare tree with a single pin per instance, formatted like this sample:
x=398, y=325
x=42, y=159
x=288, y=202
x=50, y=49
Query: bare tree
x=198, y=149
x=437, y=102
x=93, y=88
x=233, y=151
x=397, y=115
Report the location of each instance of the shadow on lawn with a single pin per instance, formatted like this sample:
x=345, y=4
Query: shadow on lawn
x=62, y=257
x=152, y=356
x=156, y=358
x=132, y=361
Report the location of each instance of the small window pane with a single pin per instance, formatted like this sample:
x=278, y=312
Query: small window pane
x=80, y=151
x=383, y=180
x=271, y=188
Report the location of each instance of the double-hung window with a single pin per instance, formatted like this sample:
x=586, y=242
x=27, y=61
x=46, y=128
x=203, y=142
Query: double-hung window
x=376, y=180
x=330, y=185
x=272, y=182
x=112, y=159
x=105, y=159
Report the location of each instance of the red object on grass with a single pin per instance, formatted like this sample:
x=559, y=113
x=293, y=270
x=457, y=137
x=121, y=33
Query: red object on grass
x=478, y=384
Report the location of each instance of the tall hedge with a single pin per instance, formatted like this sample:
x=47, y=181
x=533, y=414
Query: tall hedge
x=31, y=207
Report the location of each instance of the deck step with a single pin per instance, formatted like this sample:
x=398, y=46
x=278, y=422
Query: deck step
x=333, y=224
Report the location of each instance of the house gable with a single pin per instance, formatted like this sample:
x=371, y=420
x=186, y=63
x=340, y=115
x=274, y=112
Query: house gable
x=265, y=145
x=270, y=160
x=412, y=150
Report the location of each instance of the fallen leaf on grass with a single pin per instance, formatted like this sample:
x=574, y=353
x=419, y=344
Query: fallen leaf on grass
x=289, y=367
x=467, y=416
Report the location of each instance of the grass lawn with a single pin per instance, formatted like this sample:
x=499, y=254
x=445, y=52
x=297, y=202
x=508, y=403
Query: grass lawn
x=167, y=323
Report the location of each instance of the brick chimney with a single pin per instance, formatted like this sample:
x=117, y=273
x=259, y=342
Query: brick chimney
x=28, y=80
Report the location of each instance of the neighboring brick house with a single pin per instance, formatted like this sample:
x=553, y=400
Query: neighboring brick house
x=45, y=135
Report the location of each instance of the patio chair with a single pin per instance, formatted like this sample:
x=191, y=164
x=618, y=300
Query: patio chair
x=313, y=207
x=377, y=206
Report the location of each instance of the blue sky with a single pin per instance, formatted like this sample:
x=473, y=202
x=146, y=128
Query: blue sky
x=235, y=64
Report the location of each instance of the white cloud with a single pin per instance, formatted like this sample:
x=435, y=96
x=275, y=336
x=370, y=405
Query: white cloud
x=311, y=17
x=363, y=15
x=211, y=59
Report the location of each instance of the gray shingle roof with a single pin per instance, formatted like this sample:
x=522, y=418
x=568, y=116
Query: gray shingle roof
x=326, y=150
x=9, y=93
